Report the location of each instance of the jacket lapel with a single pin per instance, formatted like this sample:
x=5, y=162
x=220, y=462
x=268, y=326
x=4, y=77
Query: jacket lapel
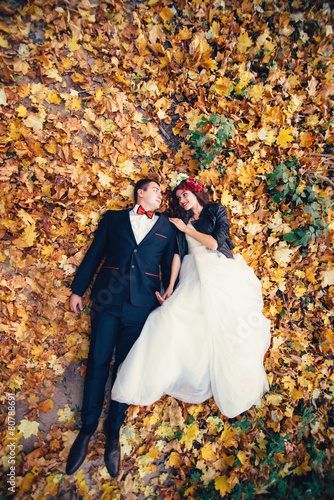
x=161, y=220
x=196, y=223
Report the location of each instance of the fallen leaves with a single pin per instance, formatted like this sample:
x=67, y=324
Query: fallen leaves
x=92, y=98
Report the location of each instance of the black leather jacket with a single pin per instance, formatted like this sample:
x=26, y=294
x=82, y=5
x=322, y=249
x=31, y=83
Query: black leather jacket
x=212, y=220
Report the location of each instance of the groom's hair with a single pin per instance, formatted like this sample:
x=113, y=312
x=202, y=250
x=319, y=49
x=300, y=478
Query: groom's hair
x=142, y=184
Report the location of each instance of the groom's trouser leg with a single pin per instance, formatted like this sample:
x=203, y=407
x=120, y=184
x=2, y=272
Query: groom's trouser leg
x=132, y=322
x=105, y=323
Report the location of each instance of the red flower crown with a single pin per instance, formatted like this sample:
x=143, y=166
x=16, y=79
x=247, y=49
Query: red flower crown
x=191, y=184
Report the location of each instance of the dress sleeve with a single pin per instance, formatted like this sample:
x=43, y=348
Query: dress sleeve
x=222, y=225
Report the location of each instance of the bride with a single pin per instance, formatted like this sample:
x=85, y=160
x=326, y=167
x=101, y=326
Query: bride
x=209, y=336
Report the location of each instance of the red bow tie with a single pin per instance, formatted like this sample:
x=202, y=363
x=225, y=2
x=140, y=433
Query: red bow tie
x=142, y=211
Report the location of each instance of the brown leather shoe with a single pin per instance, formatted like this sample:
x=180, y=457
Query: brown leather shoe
x=78, y=452
x=112, y=454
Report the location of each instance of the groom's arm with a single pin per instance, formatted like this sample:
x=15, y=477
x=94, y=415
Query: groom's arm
x=92, y=259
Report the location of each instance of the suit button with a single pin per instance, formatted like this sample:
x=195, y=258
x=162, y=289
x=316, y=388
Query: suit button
x=135, y=250
x=133, y=267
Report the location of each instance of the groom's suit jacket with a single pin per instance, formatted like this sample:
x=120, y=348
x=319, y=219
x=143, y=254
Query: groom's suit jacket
x=130, y=270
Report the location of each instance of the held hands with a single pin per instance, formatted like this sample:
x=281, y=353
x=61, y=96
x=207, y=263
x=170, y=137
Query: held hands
x=76, y=303
x=179, y=224
x=165, y=296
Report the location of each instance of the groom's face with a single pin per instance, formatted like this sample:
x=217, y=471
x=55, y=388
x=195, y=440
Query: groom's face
x=151, y=197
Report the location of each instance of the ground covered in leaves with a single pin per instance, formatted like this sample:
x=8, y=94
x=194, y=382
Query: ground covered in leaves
x=97, y=94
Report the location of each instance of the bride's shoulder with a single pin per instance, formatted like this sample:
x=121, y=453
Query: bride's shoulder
x=216, y=208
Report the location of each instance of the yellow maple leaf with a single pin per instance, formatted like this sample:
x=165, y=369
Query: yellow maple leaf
x=141, y=44
x=193, y=117
x=34, y=121
x=21, y=66
x=282, y=253
x=51, y=147
x=4, y=43
x=271, y=137
x=73, y=45
x=223, y=86
x=75, y=103
x=299, y=290
x=226, y=198
x=189, y=435
x=22, y=111
x=243, y=457
x=306, y=139
x=246, y=174
x=209, y=474
x=62, y=293
x=185, y=33
x=156, y=33
x=256, y=92
x=99, y=94
x=28, y=480
x=54, y=98
x=28, y=428
x=166, y=14
x=208, y=454
x=222, y=485
x=228, y=459
x=244, y=42
x=127, y=192
x=227, y=436
x=209, y=177
x=327, y=277
x=65, y=414
x=214, y=28
x=153, y=453
x=28, y=237
x=296, y=394
x=301, y=470
x=175, y=459
x=284, y=137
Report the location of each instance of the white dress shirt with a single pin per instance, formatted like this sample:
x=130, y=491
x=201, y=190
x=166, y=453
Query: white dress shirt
x=141, y=224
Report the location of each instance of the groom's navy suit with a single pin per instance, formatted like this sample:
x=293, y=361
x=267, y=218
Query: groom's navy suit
x=123, y=295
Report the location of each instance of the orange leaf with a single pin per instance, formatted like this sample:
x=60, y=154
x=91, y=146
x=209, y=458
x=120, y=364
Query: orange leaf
x=45, y=406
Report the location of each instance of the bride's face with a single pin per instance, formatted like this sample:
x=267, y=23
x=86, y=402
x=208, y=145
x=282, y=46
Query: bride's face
x=187, y=199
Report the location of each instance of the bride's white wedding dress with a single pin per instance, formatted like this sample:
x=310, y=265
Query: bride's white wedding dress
x=208, y=338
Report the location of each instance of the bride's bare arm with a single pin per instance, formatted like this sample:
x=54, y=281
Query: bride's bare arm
x=205, y=239
x=176, y=264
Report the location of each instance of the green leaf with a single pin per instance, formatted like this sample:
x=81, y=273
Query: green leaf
x=214, y=119
x=290, y=237
x=308, y=209
x=311, y=197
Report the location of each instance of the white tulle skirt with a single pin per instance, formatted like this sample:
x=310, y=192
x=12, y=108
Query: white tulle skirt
x=209, y=338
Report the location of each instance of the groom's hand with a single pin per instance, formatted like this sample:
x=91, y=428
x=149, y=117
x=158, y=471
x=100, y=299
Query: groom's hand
x=76, y=303
x=165, y=296
x=160, y=298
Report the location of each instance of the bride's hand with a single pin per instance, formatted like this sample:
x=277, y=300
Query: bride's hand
x=179, y=224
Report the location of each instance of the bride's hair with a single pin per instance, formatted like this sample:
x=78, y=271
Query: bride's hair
x=175, y=210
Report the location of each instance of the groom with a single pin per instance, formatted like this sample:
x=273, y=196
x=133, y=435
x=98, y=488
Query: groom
x=137, y=243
